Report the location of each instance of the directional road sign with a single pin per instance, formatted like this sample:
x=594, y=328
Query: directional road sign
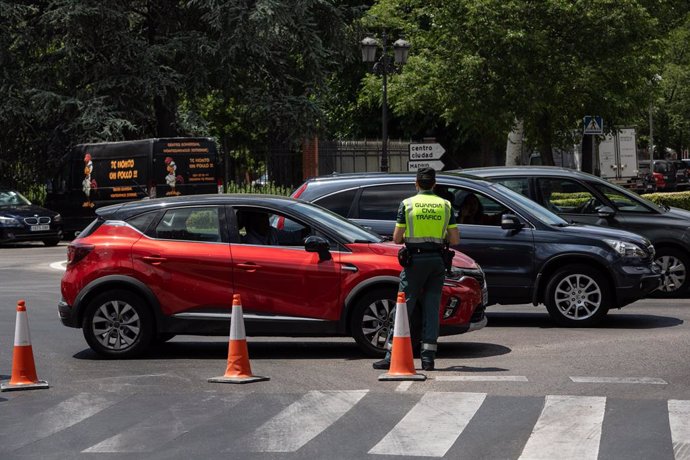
x=434, y=164
x=426, y=152
x=593, y=125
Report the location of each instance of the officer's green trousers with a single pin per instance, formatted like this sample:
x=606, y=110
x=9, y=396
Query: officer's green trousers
x=422, y=283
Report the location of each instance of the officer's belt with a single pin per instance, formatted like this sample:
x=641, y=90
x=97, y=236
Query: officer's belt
x=424, y=251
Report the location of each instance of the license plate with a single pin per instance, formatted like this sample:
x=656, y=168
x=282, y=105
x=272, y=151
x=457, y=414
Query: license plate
x=40, y=228
x=649, y=187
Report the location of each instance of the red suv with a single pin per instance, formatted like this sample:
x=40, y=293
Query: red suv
x=149, y=270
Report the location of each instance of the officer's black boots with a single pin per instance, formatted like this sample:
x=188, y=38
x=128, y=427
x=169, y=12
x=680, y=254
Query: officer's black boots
x=428, y=364
x=383, y=364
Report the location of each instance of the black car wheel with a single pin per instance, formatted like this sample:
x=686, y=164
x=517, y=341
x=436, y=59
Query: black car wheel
x=373, y=317
x=577, y=296
x=118, y=324
x=371, y=320
x=674, y=268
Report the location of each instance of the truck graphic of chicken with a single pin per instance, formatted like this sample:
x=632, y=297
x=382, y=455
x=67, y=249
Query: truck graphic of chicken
x=88, y=183
x=172, y=179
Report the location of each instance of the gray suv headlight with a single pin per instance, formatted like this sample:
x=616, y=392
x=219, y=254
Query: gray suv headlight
x=626, y=249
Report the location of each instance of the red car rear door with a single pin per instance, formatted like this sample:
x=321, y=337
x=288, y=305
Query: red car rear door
x=186, y=261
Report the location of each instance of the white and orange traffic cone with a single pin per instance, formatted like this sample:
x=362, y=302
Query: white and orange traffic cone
x=402, y=361
x=23, y=367
x=238, y=370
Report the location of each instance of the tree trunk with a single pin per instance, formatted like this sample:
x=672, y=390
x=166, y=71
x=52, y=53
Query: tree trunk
x=166, y=117
x=514, y=145
x=485, y=150
x=545, y=140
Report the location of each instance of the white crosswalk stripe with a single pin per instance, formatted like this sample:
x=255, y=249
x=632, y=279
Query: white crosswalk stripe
x=55, y=419
x=432, y=426
x=164, y=426
x=303, y=420
x=437, y=424
x=679, y=420
x=568, y=427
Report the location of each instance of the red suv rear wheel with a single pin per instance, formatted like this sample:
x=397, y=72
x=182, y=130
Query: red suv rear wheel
x=118, y=324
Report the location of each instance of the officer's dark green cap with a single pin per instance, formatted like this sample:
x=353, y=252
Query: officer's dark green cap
x=426, y=176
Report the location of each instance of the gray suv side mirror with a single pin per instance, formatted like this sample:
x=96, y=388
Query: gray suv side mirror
x=510, y=222
x=605, y=211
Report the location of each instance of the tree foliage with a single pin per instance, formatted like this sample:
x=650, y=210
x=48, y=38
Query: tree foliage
x=481, y=64
x=87, y=70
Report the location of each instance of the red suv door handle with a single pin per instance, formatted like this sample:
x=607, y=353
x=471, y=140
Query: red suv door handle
x=154, y=260
x=248, y=266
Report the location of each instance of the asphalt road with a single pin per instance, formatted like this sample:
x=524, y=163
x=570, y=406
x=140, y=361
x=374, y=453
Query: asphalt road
x=520, y=388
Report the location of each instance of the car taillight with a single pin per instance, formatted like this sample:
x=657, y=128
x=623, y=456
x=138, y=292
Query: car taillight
x=658, y=177
x=299, y=191
x=77, y=251
x=219, y=182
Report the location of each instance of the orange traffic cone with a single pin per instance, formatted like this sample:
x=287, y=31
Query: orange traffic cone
x=238, y=370
x=402, y=362
x=23, y=367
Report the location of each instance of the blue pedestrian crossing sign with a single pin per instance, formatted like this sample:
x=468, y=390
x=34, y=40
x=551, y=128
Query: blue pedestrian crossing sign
x=593, y=125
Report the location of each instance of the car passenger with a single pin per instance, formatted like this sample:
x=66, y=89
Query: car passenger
x=471, y=210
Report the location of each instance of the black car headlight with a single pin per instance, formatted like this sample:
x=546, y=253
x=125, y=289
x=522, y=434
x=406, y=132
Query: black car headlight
x=57, y=218
x=9, y=222
x=626, y=249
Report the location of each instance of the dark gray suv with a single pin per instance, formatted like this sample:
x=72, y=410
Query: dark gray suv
x=586, y=199
x=528, y=253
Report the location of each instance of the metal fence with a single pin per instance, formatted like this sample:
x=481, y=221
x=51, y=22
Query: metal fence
x=360, y=156
x=278, y=168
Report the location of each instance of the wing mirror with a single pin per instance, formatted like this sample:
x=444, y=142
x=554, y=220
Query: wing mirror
x=510, y=222
x=605, y=211
x=319, y=245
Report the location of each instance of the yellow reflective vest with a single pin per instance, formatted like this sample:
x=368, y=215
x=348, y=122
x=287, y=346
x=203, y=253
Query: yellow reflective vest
x=427, y=218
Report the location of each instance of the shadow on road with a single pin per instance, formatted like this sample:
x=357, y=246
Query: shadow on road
x=30, y=244
x=612, y=321
x=312, y=350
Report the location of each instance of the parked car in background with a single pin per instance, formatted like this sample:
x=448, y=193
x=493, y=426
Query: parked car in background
x=586, y=199
x=682, y=175
x=529, y=254
x=22, y=221
x=643, y=183
x=663, y=171
x=148, y=270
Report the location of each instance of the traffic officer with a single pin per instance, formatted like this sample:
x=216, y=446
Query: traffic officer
x=425, y=222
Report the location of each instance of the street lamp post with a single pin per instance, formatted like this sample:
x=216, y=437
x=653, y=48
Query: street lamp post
x=655, y=80
x=385, y=66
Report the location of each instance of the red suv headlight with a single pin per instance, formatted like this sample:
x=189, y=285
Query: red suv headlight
x=77, y=251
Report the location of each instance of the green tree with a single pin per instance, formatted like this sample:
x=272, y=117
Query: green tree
x=87, y=70
x=672, y=106
x=481, y=64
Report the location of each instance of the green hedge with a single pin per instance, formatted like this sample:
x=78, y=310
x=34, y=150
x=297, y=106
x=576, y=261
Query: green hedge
x=674, y=199
x=574, y=200
x=269, y=189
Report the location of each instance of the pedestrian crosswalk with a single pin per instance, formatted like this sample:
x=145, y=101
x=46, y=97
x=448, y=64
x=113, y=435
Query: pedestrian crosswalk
x=343, y=424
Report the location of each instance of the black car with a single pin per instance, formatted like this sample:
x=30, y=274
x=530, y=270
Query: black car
x=22, y=221
x=527, y=253
x=586, y=199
